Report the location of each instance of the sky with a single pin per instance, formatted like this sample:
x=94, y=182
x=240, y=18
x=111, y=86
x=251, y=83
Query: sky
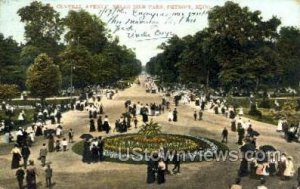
x=143, y=25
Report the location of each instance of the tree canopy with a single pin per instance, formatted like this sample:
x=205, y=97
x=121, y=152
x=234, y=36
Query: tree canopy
x=43, y=77
x=238, y=49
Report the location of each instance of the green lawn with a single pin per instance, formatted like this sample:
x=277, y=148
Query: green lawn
x=267, y=116
x=28, y=112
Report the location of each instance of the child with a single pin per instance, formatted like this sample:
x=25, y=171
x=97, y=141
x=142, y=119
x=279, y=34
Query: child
x=57, y=146
x=195, y=115
x=64, y=143
x=135, y=122
x=71, y=134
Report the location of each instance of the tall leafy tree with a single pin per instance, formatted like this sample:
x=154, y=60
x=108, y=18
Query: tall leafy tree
x=85, y=29
x=10, y=71
x=196, y=64
x=78, y=61
x=43, y=77
x=288, y=46
x=170, y=57
x=43, y=27
x=105, y=67
x=28, y=54
x=237, y=35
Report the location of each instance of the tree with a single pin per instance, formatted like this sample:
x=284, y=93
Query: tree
x=115, y=62
x=196, y=64
x=43, y=27
x=237, y=35
x=80, y=60
x=43, y=77
x=288, y=46
x=85, y=29
x=28, y=54
x=107, y=69
x=288, y=111
x=8, y=91
x=10, y=71
x=168, y=59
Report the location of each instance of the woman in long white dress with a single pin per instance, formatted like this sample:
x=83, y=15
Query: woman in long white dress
x=170, y=115
x=241, y=112
x=279, y=125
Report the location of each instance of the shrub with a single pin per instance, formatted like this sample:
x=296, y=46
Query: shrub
x=254, y=111
x=265, y=103
x=8, y=91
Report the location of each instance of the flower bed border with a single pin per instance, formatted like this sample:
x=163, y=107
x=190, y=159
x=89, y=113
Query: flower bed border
x=215, y=147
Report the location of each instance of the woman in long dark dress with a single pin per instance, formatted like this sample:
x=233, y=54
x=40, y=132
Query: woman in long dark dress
x=175, y=115
x=90, y=114
x=38, y=131
x=233, y=126
x=106, y=126
x=51, y=143
x=16, y=157
x=86, y=152
x=94, y=152
x=99, y=124
x=92, y=126
x=243, y=171
x=145, y=117
x=101, y=109
x=161, y=172
x=151, y=171
x=31, y=176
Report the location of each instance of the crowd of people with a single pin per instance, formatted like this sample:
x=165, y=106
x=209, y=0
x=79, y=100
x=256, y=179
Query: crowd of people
x=93, y=148
x=289, y=132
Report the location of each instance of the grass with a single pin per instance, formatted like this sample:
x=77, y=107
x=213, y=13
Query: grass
x=29, y=113
x=34, y=102
x=267, y=116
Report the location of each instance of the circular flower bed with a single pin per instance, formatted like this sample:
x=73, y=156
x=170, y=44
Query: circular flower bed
x=172, y=142
x=136, y=147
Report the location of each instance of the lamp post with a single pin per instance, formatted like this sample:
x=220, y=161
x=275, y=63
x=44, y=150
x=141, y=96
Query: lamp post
x=73, y=67
x=71, y=79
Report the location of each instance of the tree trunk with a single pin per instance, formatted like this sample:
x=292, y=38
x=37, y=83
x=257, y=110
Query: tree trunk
x=207, y=79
